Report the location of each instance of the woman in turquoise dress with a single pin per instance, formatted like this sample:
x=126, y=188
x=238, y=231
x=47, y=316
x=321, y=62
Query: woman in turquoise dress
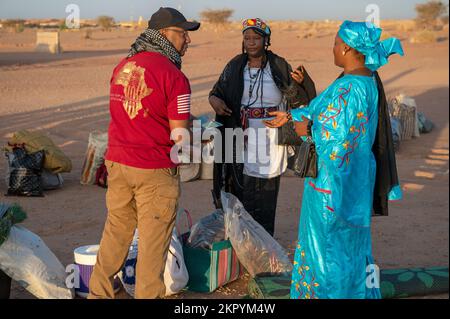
x=333, y=257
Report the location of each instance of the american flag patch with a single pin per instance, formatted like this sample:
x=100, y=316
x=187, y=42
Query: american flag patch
x=184, y=103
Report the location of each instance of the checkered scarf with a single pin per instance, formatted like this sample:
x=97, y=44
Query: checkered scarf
x=153, y=41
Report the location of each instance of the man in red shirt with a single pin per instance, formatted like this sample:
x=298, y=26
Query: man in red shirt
x=149, y=97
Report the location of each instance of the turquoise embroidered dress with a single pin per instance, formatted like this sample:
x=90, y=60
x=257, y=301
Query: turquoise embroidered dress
x=334, y=242
x=333, y=258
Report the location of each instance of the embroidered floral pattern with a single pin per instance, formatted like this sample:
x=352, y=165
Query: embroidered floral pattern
x=350, y=145
x=304, y=287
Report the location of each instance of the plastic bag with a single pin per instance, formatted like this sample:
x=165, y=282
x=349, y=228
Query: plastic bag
x=208, y=230
x=51, y=181
x=94, y=158
x=257, y=251
x=176, y=275
x=26, y=259
x=425, y=125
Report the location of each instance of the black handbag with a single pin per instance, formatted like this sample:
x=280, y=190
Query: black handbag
x=304, y=163
x=299, y=96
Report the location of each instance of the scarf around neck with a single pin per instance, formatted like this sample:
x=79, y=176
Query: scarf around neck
x=153, y=41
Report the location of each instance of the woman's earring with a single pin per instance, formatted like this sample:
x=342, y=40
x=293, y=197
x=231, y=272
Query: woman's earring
x=343, y=52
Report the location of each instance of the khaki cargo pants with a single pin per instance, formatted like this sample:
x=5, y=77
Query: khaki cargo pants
x=142, y=198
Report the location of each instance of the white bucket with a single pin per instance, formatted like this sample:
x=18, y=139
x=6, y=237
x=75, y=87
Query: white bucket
x=85, y=258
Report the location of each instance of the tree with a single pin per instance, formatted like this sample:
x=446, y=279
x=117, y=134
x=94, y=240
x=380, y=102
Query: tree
x=219, y=16
x=429, y=13
x=105, y=22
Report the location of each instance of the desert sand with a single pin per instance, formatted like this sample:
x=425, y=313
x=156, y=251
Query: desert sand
x=66, y=96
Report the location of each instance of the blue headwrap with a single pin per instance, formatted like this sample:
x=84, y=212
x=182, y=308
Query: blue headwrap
x=364, y=37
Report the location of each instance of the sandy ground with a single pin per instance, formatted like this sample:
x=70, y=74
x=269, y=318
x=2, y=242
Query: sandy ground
x=66, y=96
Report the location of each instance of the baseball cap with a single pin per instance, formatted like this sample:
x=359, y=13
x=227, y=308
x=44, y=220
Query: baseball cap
x=170, y=17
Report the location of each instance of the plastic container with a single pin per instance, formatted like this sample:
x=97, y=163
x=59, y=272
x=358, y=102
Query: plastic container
x=85, y=259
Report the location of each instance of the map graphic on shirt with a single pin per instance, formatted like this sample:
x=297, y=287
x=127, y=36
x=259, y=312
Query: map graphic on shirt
x=131, y=77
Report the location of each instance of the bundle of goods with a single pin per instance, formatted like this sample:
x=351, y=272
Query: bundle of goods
x=175, y=273
x=425, y=124
x=208, y=230
x=258, y=252
x=25, y=258
x=55, y=160
x=210, y=259
x=35, y=164
x=394, y=283
x=404, y=109
x=9, y=215
x=204, y=170
x=406, y=121
x=23, y=177
x=93, y=167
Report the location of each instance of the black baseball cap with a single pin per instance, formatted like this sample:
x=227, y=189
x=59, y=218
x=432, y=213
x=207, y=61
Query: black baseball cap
x=170, y=17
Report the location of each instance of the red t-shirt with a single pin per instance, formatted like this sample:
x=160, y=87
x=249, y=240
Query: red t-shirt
x=146, y=91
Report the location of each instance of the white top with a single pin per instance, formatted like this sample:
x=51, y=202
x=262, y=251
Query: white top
x=263, y=158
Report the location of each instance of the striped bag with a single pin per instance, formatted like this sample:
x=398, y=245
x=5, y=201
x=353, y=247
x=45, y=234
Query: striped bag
x=211, y=269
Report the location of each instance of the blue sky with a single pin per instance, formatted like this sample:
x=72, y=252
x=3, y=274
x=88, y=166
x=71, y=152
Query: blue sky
x=271, y=10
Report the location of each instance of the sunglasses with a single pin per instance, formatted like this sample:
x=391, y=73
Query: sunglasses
x=184, y=32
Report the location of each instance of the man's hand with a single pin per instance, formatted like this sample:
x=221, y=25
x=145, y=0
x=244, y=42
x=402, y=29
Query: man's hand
x=219, y=106
x=298, y=74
